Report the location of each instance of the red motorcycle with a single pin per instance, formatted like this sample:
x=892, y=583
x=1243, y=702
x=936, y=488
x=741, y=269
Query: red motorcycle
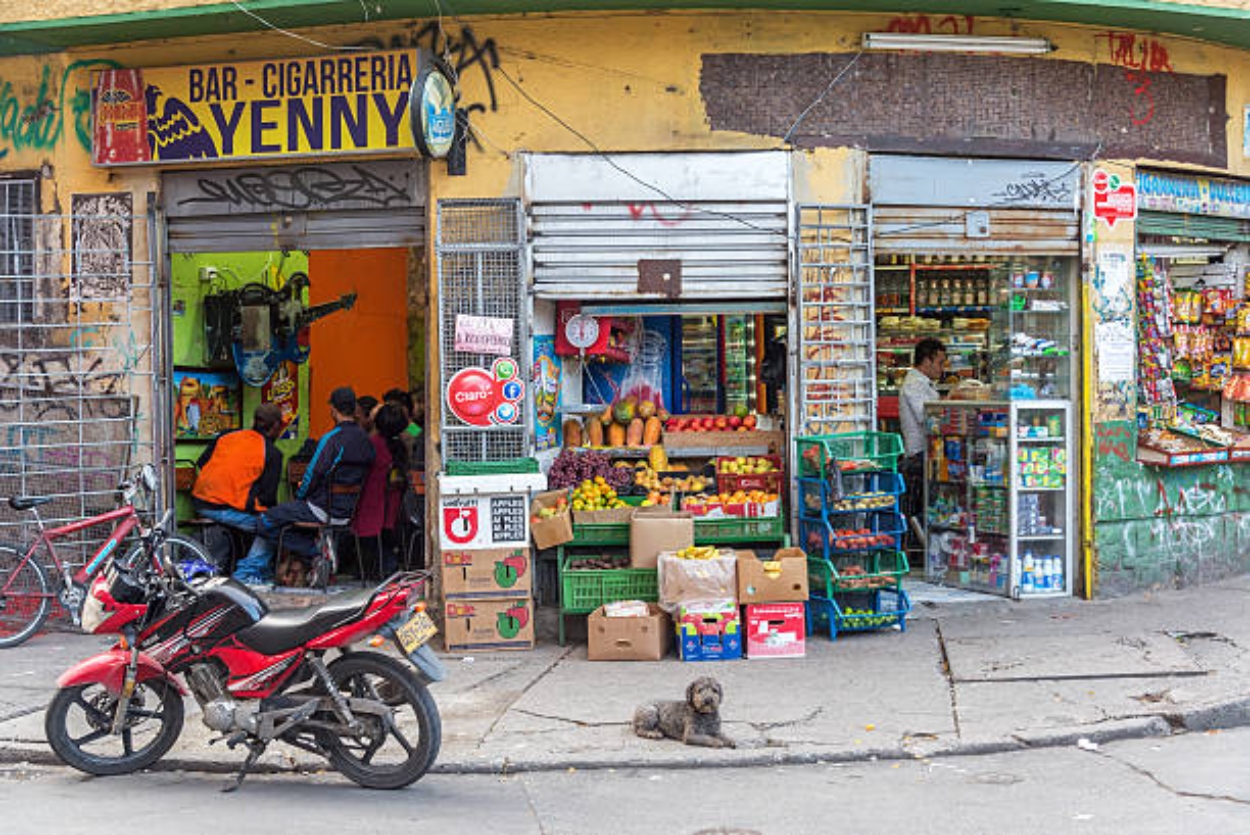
x=257, y=676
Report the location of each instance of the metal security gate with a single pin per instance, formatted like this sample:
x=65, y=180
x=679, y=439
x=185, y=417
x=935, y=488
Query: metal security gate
x=724, y=217
x=480, y=250
x=80, y=356
x=833, y=360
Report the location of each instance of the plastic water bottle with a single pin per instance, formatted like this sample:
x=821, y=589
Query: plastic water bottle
x=1027, y=582
x=1056, y=574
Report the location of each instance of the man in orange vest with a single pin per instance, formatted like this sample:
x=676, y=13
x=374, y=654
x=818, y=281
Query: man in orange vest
x=240, y=472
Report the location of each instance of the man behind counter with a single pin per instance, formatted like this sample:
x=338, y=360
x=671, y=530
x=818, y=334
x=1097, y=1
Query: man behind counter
x=928, y=365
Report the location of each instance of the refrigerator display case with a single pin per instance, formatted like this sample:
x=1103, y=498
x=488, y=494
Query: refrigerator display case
x=999, y=496
x=1031, y=329
x=699, y=365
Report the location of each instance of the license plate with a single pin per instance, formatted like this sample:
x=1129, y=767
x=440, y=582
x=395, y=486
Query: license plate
x=419, y=629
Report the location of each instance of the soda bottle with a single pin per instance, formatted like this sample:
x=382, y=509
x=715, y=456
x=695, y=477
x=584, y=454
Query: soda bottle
x=1027, y=583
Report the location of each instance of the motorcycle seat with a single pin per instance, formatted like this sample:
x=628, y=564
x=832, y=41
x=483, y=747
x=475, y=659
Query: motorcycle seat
x=286, y=629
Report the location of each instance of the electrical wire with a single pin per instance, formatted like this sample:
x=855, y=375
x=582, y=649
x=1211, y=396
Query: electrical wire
x=786, y=138
x=297, y=36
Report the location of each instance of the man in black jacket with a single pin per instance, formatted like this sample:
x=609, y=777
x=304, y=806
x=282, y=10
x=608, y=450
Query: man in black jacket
x=342, y=459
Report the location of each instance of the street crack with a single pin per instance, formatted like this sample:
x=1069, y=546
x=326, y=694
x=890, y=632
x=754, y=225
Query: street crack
x=1152, y=777
x=950, y=678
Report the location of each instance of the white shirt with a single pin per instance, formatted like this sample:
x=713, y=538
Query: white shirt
x=916, y=391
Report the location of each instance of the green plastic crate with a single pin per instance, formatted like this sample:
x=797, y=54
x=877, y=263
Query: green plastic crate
x=883, y=569
x=505, y=467
x=584, y=590
x=605, y=533
x=732, y=529
x=824, y=456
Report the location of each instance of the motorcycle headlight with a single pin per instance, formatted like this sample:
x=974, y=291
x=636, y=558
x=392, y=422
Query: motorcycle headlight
x=93, y=611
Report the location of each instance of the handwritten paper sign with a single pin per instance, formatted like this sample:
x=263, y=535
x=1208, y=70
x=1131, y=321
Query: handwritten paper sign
x=483, y=335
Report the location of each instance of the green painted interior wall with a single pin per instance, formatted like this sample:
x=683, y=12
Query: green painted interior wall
x=188, y=291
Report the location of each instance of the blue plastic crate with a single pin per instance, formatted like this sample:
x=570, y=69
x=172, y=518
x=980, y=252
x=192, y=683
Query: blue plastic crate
x=819, y=537
x=856, y=492
x=865, y=611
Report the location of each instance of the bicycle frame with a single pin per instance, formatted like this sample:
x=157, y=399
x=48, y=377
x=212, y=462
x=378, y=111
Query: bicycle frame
x=126, y=519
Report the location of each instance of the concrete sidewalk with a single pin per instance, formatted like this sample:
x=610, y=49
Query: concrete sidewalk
x=965, y=677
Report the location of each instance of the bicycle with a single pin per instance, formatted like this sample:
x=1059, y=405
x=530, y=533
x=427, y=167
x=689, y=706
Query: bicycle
x=25, y=597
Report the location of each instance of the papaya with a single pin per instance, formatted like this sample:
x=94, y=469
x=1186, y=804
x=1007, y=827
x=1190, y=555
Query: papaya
x=606, y=417
x=646, y=409
x=594, y=433
x=573, y=433
x=651, y=431
x=624, y=412
x=616, y=435
x=658, y=458
x=633, y=436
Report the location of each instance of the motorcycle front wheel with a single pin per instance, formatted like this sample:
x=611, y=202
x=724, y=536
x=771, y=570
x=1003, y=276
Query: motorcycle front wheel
x=395, y=749
x=79, y=725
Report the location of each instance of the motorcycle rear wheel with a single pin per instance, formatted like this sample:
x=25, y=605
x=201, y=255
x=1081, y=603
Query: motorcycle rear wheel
x=384, y=756
x=80, y=717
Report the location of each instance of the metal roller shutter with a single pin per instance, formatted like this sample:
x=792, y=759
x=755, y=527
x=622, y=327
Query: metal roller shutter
x=1203, y=227
x=933, y=229
x=723, y=216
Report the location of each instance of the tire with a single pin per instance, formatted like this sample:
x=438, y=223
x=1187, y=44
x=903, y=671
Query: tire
x=175, y=548
x=24, y=597
x=363, y=675
x=82, y=715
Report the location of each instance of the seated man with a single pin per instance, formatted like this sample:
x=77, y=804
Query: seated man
x=342, y=458
x=239, y=475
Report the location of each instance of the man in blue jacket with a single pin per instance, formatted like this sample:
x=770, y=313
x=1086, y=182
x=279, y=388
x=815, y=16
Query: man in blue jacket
x=341, y=460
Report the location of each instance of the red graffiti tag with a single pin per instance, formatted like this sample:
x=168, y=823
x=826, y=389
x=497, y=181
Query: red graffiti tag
x=637, y=210
x=1134, y=53
x=1114, y=439
x=925, y=25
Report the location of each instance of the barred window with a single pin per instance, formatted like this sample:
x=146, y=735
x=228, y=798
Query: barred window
x=18, y=203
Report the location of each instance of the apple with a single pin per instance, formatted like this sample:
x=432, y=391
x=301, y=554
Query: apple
x=721, y=423
x=735, y=422
x=708, y=424
x=749, y=422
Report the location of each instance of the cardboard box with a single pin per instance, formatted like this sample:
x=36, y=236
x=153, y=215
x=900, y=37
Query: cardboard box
x=755, y=585
x=616, y=515
x=553, y=530
x=709, y=631
x=482, y=624
x=628, y=639
x=487, y=572
x=682, y=581
x=653, y=530
x=776, y=630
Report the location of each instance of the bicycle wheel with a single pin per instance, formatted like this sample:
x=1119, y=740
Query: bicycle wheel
x=24, y=598
x=175, y=549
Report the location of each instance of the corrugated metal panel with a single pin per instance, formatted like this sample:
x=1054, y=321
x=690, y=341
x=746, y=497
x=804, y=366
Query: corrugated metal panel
x=299, y=230
x=1203, y=227
x=928, y=229
x=727, y=249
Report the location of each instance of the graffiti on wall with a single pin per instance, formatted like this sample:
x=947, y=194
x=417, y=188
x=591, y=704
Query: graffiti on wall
x=36, y=121
x=102, y=230
x=922, y=24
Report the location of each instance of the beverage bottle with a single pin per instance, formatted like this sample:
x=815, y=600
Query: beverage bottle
x=1027, y=584
x=1056, y=574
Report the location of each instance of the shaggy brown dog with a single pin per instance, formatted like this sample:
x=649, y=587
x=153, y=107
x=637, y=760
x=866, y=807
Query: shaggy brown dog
x=696, y=721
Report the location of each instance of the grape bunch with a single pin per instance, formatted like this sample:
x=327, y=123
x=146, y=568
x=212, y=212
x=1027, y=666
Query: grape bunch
x=572, y=468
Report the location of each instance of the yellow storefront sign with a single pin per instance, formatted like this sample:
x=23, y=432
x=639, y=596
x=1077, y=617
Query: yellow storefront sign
x=354, y=103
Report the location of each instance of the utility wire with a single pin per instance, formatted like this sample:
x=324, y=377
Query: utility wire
x=297, y=36
x=786, y=138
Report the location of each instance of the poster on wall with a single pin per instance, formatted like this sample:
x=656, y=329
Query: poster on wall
x=282, y=389
x=353, y=103
x=103, y=224
x=482, y=397
x=483, y=335
x=483, y=521
x=547, y=372
x=207, y=403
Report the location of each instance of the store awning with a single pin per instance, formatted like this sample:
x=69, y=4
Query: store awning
x=1227, y=25
x=1197, y=227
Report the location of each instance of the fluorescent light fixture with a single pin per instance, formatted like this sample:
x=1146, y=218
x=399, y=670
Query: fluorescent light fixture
x=956, y=43
x=1182, y=250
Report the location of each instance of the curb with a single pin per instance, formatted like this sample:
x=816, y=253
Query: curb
x=1232, y=714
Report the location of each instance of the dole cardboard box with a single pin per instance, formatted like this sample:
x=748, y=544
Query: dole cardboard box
x=487, y=572
x=488, y=623
x=780, y=580
x=775, y=630
x=656, y=529
x=550, y=529
x=639, y=638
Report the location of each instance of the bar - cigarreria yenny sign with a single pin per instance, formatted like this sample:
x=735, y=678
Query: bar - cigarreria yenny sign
x=354, y=103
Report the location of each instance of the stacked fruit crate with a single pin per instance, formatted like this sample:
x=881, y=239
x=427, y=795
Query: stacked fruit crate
x=852, y=531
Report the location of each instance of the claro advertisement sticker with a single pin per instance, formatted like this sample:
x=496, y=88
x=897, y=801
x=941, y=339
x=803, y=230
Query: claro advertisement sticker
x=257, y=109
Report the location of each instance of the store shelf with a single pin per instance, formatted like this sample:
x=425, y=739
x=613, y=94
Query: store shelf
x=1023, y=489
x=1041, y=440
x=956, y=309
x=1042, y=537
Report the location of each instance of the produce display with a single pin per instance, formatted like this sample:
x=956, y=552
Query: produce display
x=571, y=468
x=747, y=465
x=851, y=539
x=629, y=423
x=746, y=503
x=646, y=477
x=698, y=552
x=867, y=617
x=857, y=577
x=599, y=563
x=595, y=494
x=561, y=506
x=865, y=501
x=743, y=422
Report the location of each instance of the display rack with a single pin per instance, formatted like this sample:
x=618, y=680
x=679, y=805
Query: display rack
x=999, y=496
x=852, y=531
